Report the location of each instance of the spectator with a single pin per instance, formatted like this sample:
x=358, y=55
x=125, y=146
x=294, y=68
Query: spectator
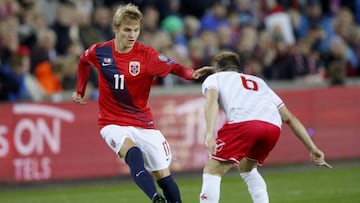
x=16, y=82
x=224, y=35
x=88, y=34
x=264, y=50
x=44, y=50
x=235, y=27
x=42, y=58
x=9, y=84
x=214, y=17
x=246, y=46
x=343, y=23
x=336, y=73
x=26, y=32
x=246, y=12
x=278, y=22
x=354, y=43
x=314, y=19
x=62, y=25
x=47, y=79
x=191, y=27
x=100, y=20
x=281, y=65
x=9, y=41
x=343, y=26
x=151, y=19
x=339, y=51
x=9, y=8
x=196, y=52
x=169, y=7
x=175, y=26
x=211, y=45
x=48, y=9
x=64, y=69
x=307, y=64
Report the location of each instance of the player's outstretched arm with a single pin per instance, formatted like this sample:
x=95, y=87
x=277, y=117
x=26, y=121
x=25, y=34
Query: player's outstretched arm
x=301, y=133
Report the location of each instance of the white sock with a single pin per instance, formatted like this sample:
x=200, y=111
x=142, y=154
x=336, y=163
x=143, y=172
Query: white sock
x=256, y=186
x=210, y=190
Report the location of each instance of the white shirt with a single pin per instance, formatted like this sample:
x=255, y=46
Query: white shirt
x=245, y=97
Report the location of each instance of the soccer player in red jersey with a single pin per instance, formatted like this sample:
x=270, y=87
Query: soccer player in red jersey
x=254, y=115
x=126, y=69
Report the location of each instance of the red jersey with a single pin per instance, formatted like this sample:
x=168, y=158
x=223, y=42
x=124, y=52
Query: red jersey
x=125, y=80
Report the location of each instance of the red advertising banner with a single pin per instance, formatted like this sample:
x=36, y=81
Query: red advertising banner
x=40, y=141
x=60, y=141
x=331, y=116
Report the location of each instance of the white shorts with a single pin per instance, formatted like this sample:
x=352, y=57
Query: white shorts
x=153, y=145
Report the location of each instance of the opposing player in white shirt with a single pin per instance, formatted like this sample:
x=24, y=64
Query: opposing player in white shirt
x=254, y=115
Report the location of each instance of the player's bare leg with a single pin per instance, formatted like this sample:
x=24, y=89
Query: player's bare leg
x=133, y=157
x=255, y=183
x=213, y=171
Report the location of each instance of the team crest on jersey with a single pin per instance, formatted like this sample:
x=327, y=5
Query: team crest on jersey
x=113, y=143
x=134, y=68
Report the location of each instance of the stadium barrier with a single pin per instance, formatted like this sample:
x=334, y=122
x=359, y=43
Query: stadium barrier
x=60, y=141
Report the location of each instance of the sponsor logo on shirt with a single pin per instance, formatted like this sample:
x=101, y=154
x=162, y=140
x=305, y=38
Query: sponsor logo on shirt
x=134, y=68
x=107, y=62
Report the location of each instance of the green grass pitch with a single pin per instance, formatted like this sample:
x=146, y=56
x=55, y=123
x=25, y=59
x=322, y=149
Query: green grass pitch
x=302, y=184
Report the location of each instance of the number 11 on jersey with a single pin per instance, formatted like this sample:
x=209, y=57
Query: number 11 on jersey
x=119, y=81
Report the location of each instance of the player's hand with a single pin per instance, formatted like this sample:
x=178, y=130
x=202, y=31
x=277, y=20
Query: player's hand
x=210, y=143
x=77, y=98
x=202, y=71
x=318, y=158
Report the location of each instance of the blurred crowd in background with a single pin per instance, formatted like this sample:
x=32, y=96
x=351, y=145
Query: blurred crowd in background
x=311, y=41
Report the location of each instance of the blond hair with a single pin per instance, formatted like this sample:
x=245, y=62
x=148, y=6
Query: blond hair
x=128, y=12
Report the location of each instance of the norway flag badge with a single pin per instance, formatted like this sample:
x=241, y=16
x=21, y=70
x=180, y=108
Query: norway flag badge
x=134, y=68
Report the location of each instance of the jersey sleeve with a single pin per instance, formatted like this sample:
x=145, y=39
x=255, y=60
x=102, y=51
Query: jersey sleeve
x=209, y=83
x=276, y=99
x=160, y=65
x=86, y=59
x=183, y=71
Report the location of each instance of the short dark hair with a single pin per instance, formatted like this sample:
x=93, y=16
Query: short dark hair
x=227, y=61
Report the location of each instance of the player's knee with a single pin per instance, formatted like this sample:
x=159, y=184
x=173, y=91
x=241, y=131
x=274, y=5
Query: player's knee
x=161, y=173
x=246, y=165
x=134, y=157
x=126, y=146
x=217, y=168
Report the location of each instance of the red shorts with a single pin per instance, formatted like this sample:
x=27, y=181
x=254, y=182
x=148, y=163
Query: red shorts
x=251, y=139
